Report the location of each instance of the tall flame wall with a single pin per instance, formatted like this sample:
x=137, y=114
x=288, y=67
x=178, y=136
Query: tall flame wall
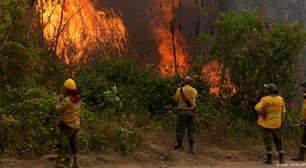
x=192, y=16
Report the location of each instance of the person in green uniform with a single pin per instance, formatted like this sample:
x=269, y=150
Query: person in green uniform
x=271, y=110
x=185, y=97
x=68, y=107
x=301, y=155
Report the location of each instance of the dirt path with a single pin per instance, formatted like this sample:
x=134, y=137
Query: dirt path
x=157, y=153
x=231, y=159
x=97, y=164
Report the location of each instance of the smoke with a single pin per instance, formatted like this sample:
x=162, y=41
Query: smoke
x=192, y=17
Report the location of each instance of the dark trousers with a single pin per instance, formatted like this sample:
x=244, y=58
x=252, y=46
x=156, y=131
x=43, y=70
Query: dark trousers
x=185, y=119
x=67, y=143
x=303, y=141
x=273, y=136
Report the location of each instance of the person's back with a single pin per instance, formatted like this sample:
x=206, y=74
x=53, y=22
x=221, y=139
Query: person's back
x=69, y=108
x=190, y=93
x=70, y=112
x=186, y=97
x=273, y=107
x=271, y=111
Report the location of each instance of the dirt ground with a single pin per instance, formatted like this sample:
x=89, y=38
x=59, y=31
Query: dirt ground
x=144, y=160
x=157, y=153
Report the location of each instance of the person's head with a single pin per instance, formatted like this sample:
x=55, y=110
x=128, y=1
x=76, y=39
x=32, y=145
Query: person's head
x=71, y=91
x=187, y=80
x=271, y=89
x=70, y=86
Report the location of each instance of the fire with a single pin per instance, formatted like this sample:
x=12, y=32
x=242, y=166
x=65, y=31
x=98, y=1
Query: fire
x=172, y=45
x=213, y=73
x=82, y=30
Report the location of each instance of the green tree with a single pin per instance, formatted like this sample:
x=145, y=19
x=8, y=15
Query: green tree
x=255, y=51
x=22, y=60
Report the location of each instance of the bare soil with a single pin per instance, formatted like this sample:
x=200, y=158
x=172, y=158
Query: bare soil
x=173, y=159
x=157, y=153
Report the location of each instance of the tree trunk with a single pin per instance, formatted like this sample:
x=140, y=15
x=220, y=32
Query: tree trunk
x=173, y=37
x=58, y=30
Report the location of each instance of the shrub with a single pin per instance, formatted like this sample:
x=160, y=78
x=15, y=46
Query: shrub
x=98, y=132
x=27, y=121
x=138, y=90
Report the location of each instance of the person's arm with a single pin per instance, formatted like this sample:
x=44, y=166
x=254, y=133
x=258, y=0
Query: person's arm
x=61, y=105
x=195, y=97
x=176, y=97
x=259, y=107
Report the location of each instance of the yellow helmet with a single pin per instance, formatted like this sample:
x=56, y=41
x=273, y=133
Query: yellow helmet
x=70, y=84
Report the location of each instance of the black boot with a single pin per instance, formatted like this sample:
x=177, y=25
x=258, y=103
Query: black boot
x=281, y=158
x=191, y=144
x=178, y=146
x=301, y=155
x=269, y=159
x=62, y=162
x=75, y=161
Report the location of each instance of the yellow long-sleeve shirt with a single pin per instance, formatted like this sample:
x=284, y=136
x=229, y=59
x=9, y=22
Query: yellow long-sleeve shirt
x=70, y=113
x=190, y=92
x=271, y=110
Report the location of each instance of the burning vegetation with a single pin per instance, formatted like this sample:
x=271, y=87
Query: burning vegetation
x=218, y=77
x=172, y=47
x=76, y=30
x=171, y=43
x=245, y=51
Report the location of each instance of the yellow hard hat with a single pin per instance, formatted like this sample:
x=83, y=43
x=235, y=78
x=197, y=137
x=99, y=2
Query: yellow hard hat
x=70, y=84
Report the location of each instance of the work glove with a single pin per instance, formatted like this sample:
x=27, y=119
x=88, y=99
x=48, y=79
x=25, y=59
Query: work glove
x=59, y=99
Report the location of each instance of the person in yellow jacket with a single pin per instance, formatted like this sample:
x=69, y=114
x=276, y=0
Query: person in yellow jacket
x=271, y=110
x=185, y=97
x=68, y=107
x=301, y=155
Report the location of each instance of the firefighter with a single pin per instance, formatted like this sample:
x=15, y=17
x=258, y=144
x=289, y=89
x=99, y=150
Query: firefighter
x=68, y=107
x=185, y=97
x=301, y=155
x=271, y=110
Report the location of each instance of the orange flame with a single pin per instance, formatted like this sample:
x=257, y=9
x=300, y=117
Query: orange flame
x=213, y=73
x=170, y=63
x=81, y=28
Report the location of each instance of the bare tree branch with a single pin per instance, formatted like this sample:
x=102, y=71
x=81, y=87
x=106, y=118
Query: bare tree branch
x=6, y=37
x=68, y=21
x=44, y=25
x=58, y=29
x=49, y=17
x=62, y=26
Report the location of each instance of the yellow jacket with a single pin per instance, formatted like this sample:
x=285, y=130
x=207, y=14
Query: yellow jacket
x=271, y=111
x=304, y=108
x=190, y=92
x=70, y=113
